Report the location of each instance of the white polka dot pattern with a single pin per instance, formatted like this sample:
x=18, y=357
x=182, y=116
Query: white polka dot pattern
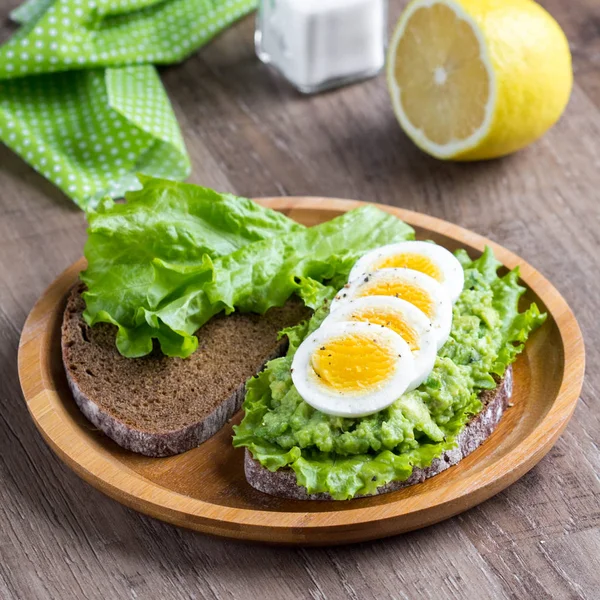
x=93, y=33
x=90, y=131
x=31, y=10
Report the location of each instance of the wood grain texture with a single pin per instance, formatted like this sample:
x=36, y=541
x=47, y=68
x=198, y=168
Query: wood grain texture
x=205, y=488
x=249, y=133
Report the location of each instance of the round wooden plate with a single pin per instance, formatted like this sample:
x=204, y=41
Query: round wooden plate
x=205, y=488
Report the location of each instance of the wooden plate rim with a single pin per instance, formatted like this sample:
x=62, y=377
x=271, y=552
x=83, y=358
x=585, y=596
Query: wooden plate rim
x=131, y=488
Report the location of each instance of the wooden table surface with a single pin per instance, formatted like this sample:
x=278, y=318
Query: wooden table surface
x=249, y=133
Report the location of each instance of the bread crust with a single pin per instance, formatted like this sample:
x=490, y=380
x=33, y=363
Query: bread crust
x=157, y=444
x=137, y=439
x=283, y=483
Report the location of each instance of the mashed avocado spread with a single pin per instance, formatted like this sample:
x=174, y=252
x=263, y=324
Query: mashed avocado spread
x=347, y=457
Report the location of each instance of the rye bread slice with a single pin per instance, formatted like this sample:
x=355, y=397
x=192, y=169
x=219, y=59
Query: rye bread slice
x=282, y=483
x=160, y=406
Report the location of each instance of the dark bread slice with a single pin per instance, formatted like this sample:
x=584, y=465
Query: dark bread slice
x=160, y=406
x=282, y=483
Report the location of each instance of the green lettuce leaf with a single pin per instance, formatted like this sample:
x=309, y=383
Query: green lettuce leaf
x=161, y=265
x=349, y=457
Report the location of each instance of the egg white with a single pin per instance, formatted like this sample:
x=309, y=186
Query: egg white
x=442, y=305
x=417, y=320
x=352, y=403
x=452, y=273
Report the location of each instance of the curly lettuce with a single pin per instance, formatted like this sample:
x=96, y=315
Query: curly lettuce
x=174, y=255
x=348, y=457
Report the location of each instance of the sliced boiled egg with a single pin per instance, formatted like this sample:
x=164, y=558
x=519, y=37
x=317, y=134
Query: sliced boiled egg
x=425, y=257
x=415, y=287
x=352, y=369
x=400, y=316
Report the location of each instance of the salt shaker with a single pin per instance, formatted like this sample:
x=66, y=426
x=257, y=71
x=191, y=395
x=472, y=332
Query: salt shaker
x=320, y=44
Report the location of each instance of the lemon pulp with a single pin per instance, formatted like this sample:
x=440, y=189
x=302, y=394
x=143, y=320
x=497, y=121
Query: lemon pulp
x=444, y=84
x=477, y=79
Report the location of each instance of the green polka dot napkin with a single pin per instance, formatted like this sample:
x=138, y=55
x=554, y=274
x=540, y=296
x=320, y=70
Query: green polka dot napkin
x=76, y=100
x=90, y=131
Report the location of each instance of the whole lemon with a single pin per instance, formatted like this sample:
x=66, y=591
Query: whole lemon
x=477, y=79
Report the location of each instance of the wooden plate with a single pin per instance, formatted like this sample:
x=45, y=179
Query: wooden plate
x=205, y=488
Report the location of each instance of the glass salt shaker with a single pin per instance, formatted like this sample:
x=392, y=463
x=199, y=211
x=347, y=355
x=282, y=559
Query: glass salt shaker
x=321, y=44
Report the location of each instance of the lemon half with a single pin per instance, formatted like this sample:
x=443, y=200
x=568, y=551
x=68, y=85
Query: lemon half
x=477, y=79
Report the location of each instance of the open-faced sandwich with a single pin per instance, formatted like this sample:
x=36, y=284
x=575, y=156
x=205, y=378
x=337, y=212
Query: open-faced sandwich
x=393, y=355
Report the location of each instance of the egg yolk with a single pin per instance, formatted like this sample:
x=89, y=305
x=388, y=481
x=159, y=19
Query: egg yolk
x=392, y=320
x=416, y=262
x=406, y=290
x=353, y=363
